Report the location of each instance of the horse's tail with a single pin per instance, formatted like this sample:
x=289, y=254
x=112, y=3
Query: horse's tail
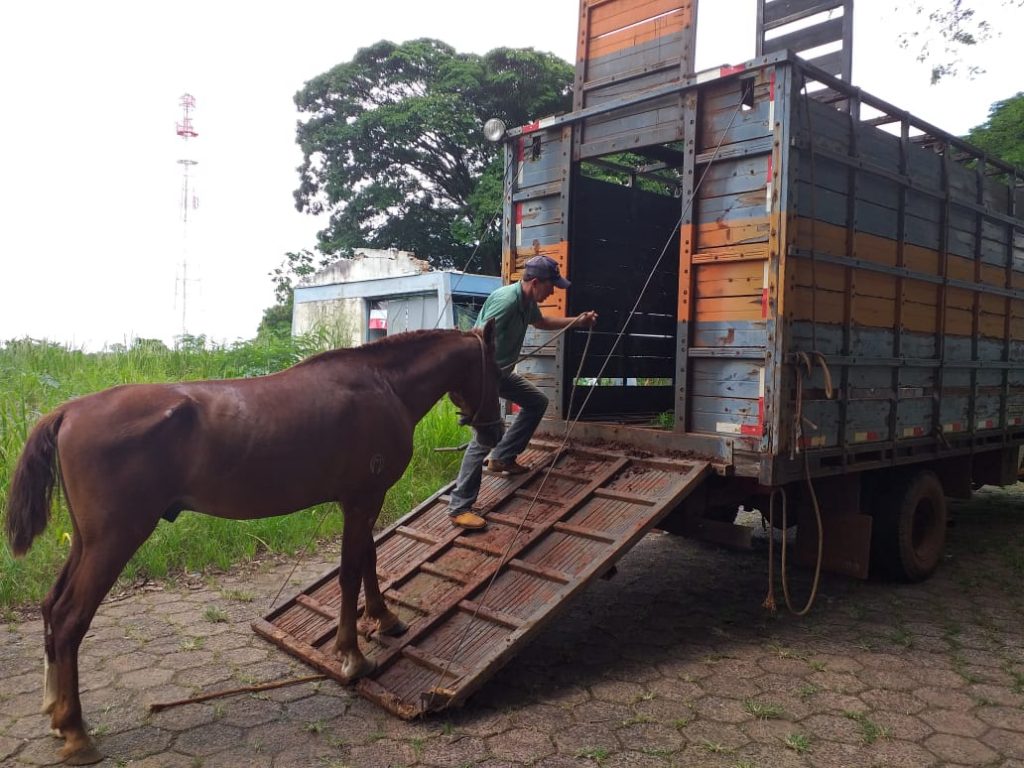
x=28, y=502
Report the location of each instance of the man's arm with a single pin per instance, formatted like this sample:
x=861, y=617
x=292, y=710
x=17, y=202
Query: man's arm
x=583, y=320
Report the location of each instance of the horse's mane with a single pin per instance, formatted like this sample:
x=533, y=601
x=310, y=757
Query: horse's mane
x=385, y=345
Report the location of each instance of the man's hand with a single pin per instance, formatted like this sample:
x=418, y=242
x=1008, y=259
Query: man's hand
x=587, y=319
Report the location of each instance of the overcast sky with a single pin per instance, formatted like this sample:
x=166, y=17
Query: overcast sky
x=91, y=241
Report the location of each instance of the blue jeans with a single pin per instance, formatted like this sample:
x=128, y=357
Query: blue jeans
x=532, y=405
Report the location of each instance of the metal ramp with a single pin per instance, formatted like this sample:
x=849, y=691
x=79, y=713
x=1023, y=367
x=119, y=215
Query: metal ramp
x=472, y=599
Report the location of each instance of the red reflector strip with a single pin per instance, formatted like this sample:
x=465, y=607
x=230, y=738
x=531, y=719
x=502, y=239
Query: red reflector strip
x=531, y=127
x=730, y=70
x=755, y=430
x=520, y=149
x=771, y=87
x=519, y=213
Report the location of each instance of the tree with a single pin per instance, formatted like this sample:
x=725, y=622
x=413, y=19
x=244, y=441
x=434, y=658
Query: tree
x=1002, y=135
x=277, y=319
x=394, y=150
x=950, y=28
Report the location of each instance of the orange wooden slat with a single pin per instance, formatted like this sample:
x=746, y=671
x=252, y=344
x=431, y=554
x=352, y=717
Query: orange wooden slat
x=656, y=29
x=732, y=308
x=612, y=16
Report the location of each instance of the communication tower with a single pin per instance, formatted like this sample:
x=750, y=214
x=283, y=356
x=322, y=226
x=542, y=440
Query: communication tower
x=189, y=200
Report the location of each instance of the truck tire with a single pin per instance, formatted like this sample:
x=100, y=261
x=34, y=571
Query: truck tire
x=909, y=530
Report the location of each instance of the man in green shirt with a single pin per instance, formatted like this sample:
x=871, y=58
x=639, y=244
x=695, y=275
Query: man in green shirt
x=513, y=308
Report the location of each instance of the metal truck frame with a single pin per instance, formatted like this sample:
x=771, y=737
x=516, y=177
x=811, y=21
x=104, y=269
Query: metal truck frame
x=833, y=293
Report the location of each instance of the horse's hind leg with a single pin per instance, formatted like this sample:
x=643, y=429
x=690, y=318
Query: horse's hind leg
x=91, y=576
x=49, y=661
x=387, y=622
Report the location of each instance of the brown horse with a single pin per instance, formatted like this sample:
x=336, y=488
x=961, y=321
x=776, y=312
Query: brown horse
x=335, y=427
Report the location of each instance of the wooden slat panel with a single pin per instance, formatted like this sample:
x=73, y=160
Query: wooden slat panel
x=611, y=16
x=647, y=32
x=810, y=37
x=732, y=308
x=476, y=596
x=777, y=12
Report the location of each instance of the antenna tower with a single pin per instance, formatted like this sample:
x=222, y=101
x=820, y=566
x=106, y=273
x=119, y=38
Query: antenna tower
x=189, y=200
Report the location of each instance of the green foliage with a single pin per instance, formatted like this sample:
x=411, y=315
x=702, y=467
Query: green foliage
x=296, y=265
x=394, y=149
x=277, y=320
x=1002, y=135
x=949, y=29
x=37, y=376
x=629, y=170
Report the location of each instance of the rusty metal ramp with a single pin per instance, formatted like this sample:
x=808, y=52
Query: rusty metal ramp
x=472, y=599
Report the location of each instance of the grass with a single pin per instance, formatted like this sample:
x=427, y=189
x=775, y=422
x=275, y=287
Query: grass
x=35, y=377
x=314, y=726
x=714, y=747
x=215, y=614
x=798, y=743
x=192, y=643
x=807, y=690
x=763, y=710
x=869, y=730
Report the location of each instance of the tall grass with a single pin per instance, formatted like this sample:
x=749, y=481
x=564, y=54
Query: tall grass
x=37, y=376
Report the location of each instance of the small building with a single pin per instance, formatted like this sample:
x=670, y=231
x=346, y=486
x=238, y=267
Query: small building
x=377, y=293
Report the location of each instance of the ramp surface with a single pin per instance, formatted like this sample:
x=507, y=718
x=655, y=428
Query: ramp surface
x=472, y=599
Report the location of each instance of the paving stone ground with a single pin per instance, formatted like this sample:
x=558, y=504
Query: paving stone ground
x=671, y=663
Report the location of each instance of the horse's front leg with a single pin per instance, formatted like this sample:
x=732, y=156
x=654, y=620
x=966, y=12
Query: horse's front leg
x=356, y=542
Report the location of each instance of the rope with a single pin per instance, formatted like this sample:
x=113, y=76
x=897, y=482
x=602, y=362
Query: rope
x=512, y=540
x=803, y=364
x=305, y=549
x=571, y=423
x=535, y=350
x=451, y=294
x=160, y=706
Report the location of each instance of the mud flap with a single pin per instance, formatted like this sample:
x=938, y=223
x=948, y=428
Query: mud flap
x=846, y=543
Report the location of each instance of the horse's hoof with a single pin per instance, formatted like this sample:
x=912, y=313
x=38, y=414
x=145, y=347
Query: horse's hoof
x=355, y=670
x=88, y=755
x=55, y=732
x=394, y=629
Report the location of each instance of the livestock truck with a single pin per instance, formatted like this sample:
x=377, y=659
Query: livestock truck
x=811, y=303
x=819, y=291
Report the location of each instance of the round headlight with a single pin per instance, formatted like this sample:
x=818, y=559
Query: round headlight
x=494, y=129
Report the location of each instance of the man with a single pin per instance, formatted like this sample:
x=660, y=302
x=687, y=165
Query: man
x=513, y=307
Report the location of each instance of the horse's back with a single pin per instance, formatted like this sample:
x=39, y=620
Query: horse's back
x=233, y=448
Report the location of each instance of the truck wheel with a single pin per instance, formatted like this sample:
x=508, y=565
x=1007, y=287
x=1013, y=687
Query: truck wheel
x=910, y=528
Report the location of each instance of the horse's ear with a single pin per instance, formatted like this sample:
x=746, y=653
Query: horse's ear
x=489, y=332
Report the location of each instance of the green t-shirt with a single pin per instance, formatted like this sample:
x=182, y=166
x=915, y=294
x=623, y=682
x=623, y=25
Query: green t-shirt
x=512, y=312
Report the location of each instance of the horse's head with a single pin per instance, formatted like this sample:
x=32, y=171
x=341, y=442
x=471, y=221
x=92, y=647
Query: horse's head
x=477, y=395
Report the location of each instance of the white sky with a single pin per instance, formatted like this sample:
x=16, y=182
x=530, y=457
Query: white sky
x=90, y=223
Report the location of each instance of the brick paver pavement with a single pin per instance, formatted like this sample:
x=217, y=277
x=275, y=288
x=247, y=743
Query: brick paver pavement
x=671, y=663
